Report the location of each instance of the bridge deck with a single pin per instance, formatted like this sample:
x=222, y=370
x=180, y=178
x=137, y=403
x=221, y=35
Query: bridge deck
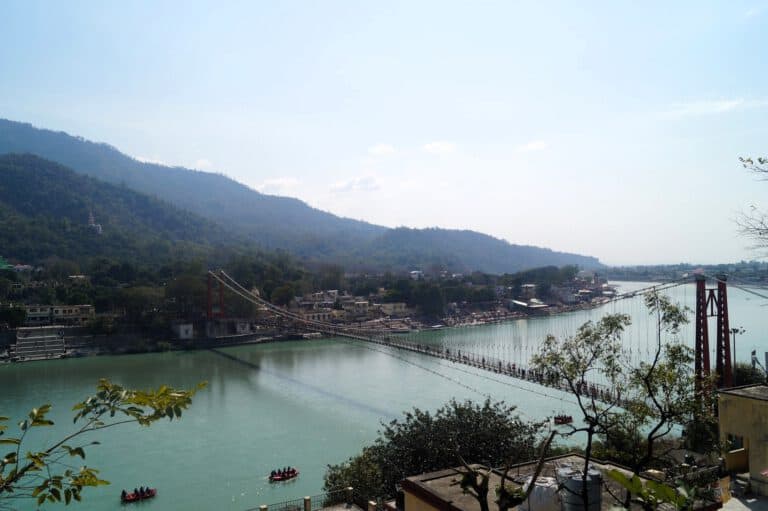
x=587, y=389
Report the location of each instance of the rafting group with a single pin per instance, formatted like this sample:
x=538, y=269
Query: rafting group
x=283, y=474
x=140, y=493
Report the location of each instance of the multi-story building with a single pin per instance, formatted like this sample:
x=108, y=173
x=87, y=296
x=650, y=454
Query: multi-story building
x=74, y=315
x=394, y=309
x=321, y=315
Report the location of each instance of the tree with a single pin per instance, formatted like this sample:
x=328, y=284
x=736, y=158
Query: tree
x=652, y=495
x=140, y=300
x=474, y=481
x=754, y=225
x=45, y=475
x=283, y=295
x=746, y=374
x=489, y=433
x=189, y=294
x=362, y=472
x=596, y=349
x=428, y=297
x=662, y=396
x=656, y=396
x=13, y=316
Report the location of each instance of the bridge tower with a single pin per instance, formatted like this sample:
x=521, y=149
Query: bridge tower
x=220, y=312
x=712, y=303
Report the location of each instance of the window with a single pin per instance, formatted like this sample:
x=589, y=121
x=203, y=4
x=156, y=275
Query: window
x=735, y=442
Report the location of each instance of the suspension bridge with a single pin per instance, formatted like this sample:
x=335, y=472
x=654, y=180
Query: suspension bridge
x=709, y=303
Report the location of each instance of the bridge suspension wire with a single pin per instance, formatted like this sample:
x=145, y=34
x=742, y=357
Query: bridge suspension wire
x=411, y=362
x=597, y=390
x=742, y=288
x=249, y=296
x=238, y=289
x=515, y=386
x=246, y=294
x=650, y=289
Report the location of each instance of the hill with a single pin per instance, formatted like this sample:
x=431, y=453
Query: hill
x=468, y=250
x=45, y=211
x=281, y=222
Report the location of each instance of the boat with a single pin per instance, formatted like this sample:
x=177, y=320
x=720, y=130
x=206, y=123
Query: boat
x=276, y=478
x=563, y=419
x=135, y=496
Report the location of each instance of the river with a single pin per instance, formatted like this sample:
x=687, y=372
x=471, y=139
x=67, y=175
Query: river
x=304, y=403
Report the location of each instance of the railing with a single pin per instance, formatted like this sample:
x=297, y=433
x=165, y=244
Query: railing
x=314, y=503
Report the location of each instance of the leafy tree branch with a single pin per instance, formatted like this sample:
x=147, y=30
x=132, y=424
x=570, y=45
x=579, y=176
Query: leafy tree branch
x=45, y=475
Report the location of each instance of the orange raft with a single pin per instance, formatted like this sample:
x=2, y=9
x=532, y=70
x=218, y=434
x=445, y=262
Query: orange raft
x=136, y=496
x=284, y=476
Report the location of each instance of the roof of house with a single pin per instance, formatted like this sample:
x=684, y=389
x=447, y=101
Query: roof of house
x=754, y=391
x=442, y=489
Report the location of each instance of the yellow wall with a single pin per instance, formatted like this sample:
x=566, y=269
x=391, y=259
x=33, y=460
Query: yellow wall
x=414, y=503
x=747, y=418
x=737, y=461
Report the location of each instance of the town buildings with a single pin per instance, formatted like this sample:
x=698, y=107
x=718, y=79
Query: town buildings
x=70, y=315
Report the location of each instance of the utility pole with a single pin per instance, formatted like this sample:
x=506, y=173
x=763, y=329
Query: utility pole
x=734, y=331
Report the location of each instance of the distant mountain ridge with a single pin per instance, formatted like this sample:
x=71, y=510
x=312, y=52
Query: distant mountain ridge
x=280, y=222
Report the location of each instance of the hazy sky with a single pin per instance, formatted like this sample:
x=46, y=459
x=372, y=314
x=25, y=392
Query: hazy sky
x=605, y=128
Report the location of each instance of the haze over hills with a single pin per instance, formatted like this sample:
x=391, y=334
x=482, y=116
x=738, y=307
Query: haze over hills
x=280, y=222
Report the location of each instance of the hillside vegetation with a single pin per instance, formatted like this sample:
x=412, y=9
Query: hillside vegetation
x=280, y=222
x=45, y=209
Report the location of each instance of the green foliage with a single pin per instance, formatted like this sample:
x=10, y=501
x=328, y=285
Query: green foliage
x=658, y=395
x=745, y=374
x=428, y=297
x=45, y=209
x=282, y=295
x=13, y=316
x=47, y=475
x=489, y=433
x=405, y=249
x=544, y=278
x=595, y=349
x=651, y=495
x=363, y=472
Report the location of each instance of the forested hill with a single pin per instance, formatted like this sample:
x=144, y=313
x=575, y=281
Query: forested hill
x=274, y=222
x=45, y=210
x=454, y=248
x=281, y=222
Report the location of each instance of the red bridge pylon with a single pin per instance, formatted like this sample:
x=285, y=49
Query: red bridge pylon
x=712, y=303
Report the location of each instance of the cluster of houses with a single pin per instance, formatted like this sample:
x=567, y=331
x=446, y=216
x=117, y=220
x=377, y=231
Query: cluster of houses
x=68, y=315
x=586, y=288
x=336, y=306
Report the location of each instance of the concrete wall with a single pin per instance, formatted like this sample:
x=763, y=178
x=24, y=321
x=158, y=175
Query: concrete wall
x=414, y=503
x=747, y=418
x=737, y=461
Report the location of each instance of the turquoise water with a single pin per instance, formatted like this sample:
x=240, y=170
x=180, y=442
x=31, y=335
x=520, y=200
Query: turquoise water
x=305, y=403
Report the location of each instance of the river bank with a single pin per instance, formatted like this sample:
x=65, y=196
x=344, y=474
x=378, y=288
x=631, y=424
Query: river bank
x=304, y=404
x=79, y=343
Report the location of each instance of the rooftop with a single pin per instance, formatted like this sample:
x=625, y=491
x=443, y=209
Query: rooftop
x=754, y=391
x=442, y=489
